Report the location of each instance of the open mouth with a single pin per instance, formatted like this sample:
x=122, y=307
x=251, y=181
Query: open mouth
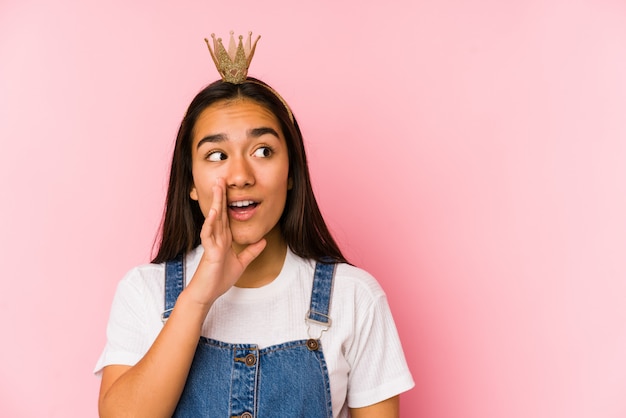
x=242, y=205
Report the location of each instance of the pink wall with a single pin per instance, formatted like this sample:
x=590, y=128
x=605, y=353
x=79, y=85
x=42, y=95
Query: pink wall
x=471, y=154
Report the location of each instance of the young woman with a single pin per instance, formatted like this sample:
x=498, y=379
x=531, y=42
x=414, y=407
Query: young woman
x=249, y=308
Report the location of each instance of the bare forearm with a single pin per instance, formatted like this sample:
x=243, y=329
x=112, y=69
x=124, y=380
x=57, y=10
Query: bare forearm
x=153, y=386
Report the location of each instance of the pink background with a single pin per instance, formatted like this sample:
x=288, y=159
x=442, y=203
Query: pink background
x=470, y=154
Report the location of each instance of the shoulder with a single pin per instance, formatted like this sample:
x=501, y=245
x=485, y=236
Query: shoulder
x=152, y=275
x=144, y=272
x=354, y=280
x=347, y=278
x=141, y=276
x=140, y=293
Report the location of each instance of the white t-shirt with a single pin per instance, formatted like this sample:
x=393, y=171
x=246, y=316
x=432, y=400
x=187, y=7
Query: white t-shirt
x=362, y=350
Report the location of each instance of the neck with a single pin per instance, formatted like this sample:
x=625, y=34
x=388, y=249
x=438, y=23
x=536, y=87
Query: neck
x=266, y=267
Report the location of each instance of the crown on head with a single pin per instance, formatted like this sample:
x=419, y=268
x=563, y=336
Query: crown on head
x=232, y=64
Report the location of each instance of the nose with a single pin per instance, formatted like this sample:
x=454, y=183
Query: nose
x=240, y=173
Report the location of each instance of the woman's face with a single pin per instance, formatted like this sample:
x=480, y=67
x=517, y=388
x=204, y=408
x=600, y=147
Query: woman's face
x=241, y=142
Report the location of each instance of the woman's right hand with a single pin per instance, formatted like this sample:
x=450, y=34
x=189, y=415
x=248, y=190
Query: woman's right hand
x=220, y=266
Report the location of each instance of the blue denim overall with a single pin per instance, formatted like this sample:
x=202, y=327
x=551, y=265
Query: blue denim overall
x=243, y=381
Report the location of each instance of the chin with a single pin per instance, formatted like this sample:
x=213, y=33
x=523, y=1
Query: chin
x=247, y=236
x=244, y=240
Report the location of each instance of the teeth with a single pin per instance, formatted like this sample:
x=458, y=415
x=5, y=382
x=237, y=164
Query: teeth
x=242, y=203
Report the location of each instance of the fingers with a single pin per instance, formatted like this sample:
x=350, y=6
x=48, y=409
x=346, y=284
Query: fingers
x=251, y=252
x=216, y=229
x=209, y=222
x=220, y=204
x=218, y=198
x=224, y=201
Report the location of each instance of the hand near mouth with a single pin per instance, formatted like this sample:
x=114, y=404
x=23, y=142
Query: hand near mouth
x=220, y=266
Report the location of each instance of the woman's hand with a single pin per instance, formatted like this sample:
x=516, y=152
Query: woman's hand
x=220, y=266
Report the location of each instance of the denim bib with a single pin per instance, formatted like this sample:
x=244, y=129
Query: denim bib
x=242, y=381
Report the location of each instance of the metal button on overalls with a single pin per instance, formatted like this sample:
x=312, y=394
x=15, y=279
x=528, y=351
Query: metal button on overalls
x=250, y=361
x=312, y=344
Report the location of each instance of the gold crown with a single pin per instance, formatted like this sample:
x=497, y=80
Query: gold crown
x=232, y=64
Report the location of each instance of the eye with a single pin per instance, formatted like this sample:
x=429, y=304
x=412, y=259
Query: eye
x=263, y=152
x=216, y=156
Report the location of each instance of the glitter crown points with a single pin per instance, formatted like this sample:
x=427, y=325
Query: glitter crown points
x=233, y=63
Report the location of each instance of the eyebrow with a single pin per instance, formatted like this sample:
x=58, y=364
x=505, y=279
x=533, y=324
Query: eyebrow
x=254, y=133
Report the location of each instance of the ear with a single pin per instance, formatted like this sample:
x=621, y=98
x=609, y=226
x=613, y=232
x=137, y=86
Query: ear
x=290, y=183
x=193, y=193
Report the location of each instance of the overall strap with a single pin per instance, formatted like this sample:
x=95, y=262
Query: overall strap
x=321, y=294
x=174, y=284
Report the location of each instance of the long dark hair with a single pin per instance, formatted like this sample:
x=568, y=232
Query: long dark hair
x=301, y=223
